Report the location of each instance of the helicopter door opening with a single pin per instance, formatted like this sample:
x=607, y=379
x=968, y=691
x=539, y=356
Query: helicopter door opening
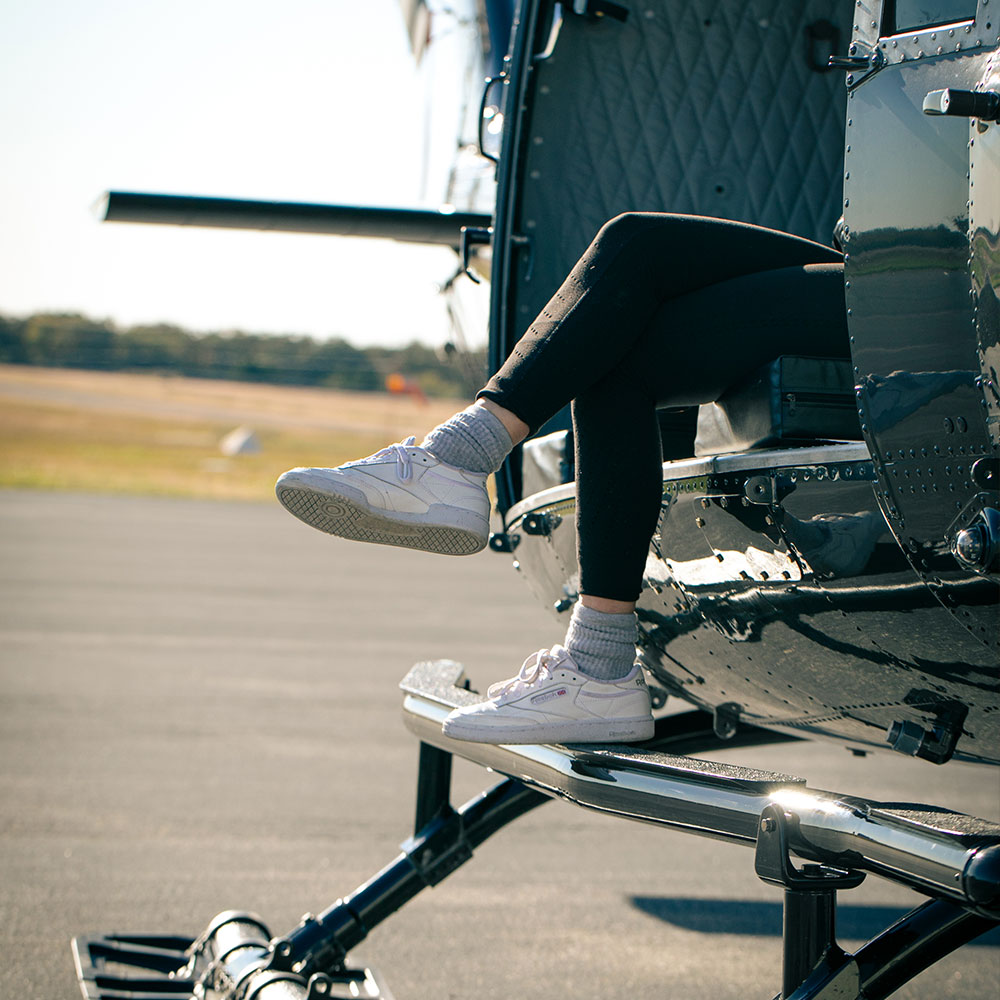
x=705, y=109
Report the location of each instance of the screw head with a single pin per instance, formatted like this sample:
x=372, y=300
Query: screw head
x=970, y=546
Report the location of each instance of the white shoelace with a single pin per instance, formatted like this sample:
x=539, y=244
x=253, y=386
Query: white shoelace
x=404, y=463
x=534, y=669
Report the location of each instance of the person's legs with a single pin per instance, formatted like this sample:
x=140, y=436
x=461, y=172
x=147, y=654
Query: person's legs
x=739, y=324
x=607, y=340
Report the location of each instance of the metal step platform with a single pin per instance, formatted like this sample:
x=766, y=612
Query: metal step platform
x=934, y=851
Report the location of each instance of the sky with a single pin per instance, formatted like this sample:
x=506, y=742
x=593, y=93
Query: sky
x=306, y=100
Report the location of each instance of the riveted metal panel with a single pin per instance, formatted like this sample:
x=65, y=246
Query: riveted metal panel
x=913, y=313
x=773, y=583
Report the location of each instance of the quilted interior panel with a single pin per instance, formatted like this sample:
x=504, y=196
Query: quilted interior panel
x=707, y=107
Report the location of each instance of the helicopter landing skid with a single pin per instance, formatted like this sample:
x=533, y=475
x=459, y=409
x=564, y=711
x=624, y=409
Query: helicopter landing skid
x=952, y=859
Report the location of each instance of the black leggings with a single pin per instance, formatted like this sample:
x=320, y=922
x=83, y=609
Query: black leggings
x=661, y=310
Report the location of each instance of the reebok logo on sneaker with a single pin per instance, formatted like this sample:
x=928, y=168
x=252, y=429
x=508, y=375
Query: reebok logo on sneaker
x=540, y=699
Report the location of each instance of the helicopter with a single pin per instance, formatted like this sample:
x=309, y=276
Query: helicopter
x=827, y=559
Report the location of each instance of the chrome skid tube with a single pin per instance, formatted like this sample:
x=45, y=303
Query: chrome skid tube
x=940, y=853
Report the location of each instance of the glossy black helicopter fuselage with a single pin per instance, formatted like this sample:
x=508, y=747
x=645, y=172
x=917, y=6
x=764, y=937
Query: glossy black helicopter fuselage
x=815, y=581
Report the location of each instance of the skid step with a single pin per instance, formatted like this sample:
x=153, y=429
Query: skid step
x=932, y=851
x=158, y=967
x=103, y=963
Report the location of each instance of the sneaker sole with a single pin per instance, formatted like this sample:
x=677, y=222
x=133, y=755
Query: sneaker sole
x=347, y=517
x=575, y=731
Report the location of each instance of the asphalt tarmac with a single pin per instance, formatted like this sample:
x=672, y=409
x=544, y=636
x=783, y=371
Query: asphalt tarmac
x=199, y=711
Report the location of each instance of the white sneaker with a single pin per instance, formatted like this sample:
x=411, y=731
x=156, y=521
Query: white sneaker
x=550, y=701
x=401, y=495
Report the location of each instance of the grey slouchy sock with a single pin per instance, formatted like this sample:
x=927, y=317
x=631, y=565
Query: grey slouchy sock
x=474, y=440
x=602, y=645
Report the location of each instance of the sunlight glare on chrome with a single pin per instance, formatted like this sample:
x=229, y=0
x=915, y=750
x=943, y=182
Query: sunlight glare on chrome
x=795, y=801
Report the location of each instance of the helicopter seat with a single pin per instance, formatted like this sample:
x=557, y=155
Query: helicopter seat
x=547, y=461
x=788, y=402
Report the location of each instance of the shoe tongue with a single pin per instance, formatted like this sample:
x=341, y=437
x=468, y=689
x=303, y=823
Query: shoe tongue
x=560, y=654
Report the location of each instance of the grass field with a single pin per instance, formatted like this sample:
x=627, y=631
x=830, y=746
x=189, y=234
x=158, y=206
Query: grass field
x=159, y=435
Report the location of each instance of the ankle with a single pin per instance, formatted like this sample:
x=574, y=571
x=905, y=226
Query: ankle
x=514, y=425
x=602, y=644
x=607, y=605
x=474, y=440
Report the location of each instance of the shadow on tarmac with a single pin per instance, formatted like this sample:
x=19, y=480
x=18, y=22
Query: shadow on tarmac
x=740, y=916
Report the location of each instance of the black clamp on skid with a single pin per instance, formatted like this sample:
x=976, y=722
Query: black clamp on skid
x=809, y=911
x=773, y=864
x=439, y=849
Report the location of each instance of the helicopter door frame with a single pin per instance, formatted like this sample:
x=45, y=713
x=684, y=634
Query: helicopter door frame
x=508, y=244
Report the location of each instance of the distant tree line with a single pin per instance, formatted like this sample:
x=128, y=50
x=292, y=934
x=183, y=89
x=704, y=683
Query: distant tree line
x=73, y=341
